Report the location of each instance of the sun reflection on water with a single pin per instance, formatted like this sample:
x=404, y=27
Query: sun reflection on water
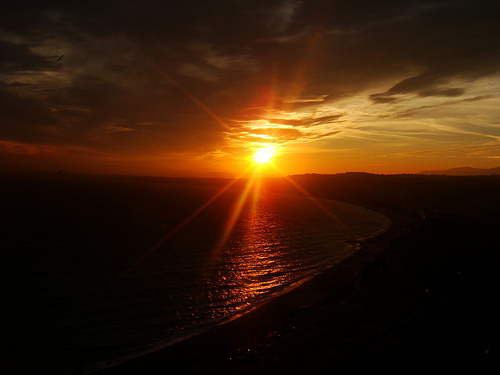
x=254, y=262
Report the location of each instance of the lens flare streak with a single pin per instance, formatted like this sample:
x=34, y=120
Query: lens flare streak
x=166, y=237
x=236, y=210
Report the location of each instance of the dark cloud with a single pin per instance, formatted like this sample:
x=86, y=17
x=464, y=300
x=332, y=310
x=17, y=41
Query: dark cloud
x=24, y=118
x=388, y=98
x=382, y=99
x=17, y=57
x=451, y=92
x=414, y=111
x=308, y=121
x=325, y=135
x=443, y=41
x=478, y=98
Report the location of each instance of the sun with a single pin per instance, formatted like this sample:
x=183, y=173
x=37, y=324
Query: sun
x=264, y=155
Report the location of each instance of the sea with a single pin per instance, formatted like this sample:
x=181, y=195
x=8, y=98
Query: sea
x=96, y=270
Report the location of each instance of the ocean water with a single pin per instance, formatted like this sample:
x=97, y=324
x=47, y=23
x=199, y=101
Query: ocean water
x=95, y=270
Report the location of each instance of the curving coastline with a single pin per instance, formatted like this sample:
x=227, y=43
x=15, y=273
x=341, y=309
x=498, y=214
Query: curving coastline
x=224, y=346
x=419, y=298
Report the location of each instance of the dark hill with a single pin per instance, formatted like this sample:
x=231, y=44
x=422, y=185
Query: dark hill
x=463, y=171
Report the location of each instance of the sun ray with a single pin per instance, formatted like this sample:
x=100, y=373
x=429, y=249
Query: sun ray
x=165, y=238
x=315, y=201
x=181, y=88
x=236, y=210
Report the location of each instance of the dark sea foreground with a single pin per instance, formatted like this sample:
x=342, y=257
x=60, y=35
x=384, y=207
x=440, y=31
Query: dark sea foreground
x=422, y=298
x=96, y=270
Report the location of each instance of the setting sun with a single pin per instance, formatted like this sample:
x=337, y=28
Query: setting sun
x=264, y=155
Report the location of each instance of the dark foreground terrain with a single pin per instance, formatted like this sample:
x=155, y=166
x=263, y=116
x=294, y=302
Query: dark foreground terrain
x=420, y=299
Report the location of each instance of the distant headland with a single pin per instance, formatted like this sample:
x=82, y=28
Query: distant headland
x=463, y=171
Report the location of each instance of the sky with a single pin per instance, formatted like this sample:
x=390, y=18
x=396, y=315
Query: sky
x=195, y=88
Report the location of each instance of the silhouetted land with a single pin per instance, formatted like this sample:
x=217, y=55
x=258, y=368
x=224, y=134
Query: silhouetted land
x=464, y=171
x=421, y=298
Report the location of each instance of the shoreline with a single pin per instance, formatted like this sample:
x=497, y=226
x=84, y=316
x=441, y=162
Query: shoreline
x=418, y=298
x=240, y=337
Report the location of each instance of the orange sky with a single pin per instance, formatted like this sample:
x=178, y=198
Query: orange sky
x=145, y=88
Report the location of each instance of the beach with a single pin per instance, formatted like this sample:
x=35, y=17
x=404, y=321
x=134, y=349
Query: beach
x=420, y=298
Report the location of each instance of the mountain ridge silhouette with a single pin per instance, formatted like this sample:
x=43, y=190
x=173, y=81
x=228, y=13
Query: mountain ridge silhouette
x=463, y=171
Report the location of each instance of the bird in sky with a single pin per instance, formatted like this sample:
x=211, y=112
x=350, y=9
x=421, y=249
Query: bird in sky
x=60, y=58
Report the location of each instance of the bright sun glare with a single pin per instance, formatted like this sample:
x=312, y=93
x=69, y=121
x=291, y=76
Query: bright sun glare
x=264, y=155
